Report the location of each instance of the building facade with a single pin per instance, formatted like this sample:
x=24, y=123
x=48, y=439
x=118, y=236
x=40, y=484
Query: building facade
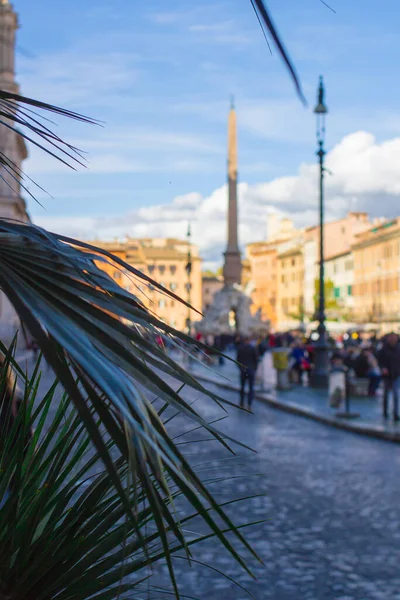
x=290, y=296
x=12, y=145
x=164, y=260
x=263, y=261
x=339, y=236
x=286, y=294
x=263, y=269
x=377, y=276
x=339, y=286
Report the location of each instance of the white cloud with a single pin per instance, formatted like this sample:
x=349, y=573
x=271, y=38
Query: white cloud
x=365, y=176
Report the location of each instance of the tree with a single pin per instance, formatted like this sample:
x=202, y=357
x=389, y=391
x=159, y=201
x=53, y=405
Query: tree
x=331, y=302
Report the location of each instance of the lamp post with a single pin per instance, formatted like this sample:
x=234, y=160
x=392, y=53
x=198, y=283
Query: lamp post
x=188, y=284
x=321, y=372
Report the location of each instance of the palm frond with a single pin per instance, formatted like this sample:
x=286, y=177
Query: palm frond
x=265, y=20
x=63, y=530
x=86, y=325
x=31, y=125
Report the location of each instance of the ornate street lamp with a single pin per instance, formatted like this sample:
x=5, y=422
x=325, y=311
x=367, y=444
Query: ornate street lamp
x=320, y=376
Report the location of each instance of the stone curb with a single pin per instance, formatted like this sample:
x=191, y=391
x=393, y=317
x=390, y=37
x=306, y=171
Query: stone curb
x=290, y=407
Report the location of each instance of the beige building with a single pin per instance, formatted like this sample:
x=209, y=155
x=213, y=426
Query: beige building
x=339, y=278
x=338, y=239
x=165, y=260
x=290, y=292
x=376, y=288
x=276, y=289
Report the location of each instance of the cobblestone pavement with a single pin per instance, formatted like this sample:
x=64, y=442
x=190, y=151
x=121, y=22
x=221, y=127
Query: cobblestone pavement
x=331, y=504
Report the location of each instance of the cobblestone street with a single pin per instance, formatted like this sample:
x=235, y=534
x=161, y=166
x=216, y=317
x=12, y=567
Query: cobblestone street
x=330, y=504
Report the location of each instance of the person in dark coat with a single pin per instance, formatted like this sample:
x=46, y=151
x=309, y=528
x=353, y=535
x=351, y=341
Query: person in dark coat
x=389, y=362
x=247, y=357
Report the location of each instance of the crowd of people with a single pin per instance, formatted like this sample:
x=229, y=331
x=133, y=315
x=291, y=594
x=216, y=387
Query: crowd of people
x=376, y=360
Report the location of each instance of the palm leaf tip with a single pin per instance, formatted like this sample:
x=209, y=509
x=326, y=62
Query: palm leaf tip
x=31, y=126
x=265, y=19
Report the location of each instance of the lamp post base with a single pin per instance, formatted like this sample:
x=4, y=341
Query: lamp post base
x=320, y=375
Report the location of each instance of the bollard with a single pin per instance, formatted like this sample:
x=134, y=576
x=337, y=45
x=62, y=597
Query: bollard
x=346, y=413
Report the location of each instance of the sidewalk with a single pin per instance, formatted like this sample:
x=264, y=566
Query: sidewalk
x=308, y=402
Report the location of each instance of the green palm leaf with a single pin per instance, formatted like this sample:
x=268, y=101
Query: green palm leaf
x=63, y=530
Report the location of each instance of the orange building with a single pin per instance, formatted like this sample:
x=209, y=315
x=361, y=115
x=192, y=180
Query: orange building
x=263, y=260
x=264, y=286
x=376, y=290
x=280, y=298
x=339, y=235
x=164, y=260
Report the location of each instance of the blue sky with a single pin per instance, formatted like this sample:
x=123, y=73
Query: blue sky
x=159, y=75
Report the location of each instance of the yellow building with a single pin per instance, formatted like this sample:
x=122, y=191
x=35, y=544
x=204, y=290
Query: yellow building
x=290, y=295
x=376, y=291
x=165, y=260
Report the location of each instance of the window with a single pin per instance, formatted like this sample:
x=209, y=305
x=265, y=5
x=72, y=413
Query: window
x=349, y=265
x=336, y=292
x=173, y=286
x=161, y=303
x=117, y=275
x=293, y=262
x=343, y=230
x=283, y=279
x=188, y=286
x=172, y=303
x=172, y=269
x=161, y=268
x=151, y=269
x=162, y=283
x=173, y=322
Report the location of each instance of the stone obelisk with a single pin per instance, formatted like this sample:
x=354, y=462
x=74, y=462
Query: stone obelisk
x=232, y=264
x=229, y=312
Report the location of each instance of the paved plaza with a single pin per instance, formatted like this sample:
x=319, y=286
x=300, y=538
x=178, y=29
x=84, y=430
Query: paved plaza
x=306, y=401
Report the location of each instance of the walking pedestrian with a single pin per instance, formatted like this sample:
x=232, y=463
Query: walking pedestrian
x=389, y=362
x=247, y=357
